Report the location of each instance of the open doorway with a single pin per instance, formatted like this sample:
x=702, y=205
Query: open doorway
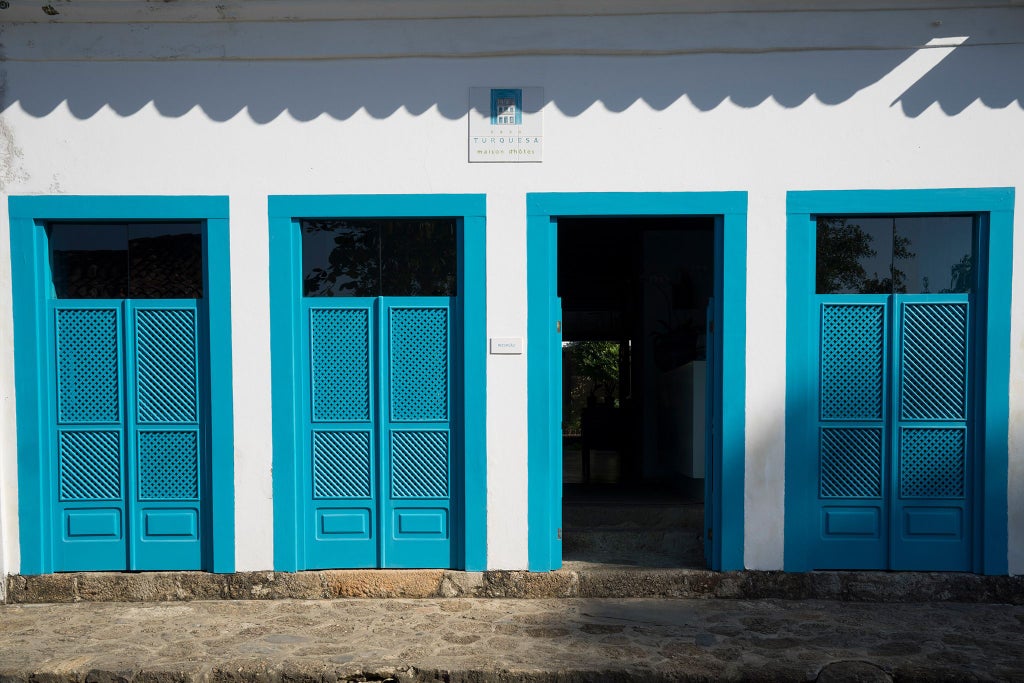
x=634, y=294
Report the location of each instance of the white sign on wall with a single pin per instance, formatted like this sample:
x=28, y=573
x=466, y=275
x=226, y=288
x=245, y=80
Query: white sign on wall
x=505, y=125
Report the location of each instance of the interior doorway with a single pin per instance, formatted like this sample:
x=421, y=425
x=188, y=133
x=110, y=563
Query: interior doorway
x=635, y=295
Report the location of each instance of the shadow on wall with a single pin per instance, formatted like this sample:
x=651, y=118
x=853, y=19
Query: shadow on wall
x=306, y=86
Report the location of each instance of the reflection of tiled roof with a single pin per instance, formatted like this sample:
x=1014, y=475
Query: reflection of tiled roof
x=168, y=267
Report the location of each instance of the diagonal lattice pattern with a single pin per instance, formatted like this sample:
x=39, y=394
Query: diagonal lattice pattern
x=341, y=464
x=90, y=465
x=852, y=361
x=88, y=378
x=419, y=464
x=168, y=465
x=851, y=462
x=419, y=364
x=932, y=462
x=165, y=347
x=340, y=341
x=934, y=384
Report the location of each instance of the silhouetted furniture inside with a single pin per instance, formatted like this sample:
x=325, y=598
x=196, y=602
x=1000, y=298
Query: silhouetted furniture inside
x=602, y=428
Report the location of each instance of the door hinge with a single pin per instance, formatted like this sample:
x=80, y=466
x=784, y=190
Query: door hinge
x=558, y=326
x=711, y=534
x=559, y=533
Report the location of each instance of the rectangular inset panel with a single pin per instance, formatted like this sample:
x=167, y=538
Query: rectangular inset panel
x=852, y=522
x=351, y=523
x=946, y=522
x=934, y=382
x=419, y=464
x=88, y=375
x=852, y=361
x=419, y=364
x=932, y=462
x=851, y=462
x=341, y=464
x=421, y=523
x=90, y=465
x=165, y=348
x=92, y=523
x=171, y=523
x=340, y=364
x=168, y=465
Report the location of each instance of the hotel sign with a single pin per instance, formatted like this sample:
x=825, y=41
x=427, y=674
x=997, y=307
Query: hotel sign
x=505, y=125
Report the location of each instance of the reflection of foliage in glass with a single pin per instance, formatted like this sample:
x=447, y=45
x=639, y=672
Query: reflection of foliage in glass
x=843, y=247
x=418, y=258
x=961, y=275
x=384, y=257
x=353, y=265
x=593, y=369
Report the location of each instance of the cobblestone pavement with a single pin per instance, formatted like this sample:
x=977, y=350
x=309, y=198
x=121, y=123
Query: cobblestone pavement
x=469, y=639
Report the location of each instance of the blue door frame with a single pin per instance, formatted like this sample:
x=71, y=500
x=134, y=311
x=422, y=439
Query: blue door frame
x=725, y=507
x=31, y=285
x=993, y=208
x=469, y=370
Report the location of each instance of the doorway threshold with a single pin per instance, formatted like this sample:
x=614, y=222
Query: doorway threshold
x=631, y=527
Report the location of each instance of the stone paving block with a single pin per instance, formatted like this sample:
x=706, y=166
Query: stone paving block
x=383, y=583
x=461, y=584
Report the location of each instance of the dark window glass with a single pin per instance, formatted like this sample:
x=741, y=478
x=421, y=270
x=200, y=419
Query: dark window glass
x=117, y=261
x=418, y=258
x=894, y=254
x=165, y=261
x=379, y=257
x=89, y=261
x=935, y=254
x=340, y=258
x=854, y=255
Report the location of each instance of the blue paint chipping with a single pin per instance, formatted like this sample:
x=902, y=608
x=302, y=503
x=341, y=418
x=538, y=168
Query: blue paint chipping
x=423, y=522
x=907, y=523
x=543, y=353
x=160, y=531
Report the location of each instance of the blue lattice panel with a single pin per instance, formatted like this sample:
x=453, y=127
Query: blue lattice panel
x=932, y=462
x=340, y=364
x=168, y=465
x=88, y=375
x=851, y=462
x=419, y=464
x=419, y=364
x=90, y=465
x=934, y=381
x=166, y=376
x=852, y=361
x=341, y=464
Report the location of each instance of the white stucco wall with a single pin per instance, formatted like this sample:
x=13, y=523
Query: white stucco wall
x=672, y=101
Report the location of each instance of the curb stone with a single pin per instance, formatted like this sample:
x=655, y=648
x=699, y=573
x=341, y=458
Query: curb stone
x=570, y=582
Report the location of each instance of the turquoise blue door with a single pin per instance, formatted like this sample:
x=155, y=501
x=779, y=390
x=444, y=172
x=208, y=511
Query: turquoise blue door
x=893, y=432
x=377, y=400
x=127, y=471
x=126, y=417
x=893, y=423
x=379, y=437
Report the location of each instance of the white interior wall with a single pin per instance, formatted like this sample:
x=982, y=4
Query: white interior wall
x=326, y=108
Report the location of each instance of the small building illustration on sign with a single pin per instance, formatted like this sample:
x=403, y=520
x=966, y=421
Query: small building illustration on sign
x=507, y=107
x=505, y=125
